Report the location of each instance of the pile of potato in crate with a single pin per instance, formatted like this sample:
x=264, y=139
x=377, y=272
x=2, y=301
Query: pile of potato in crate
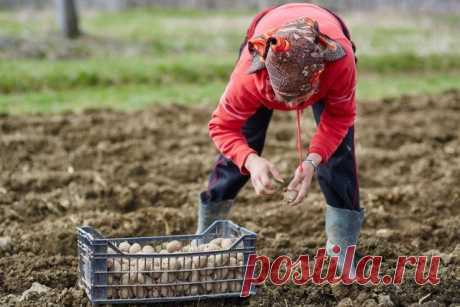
x=172, y=269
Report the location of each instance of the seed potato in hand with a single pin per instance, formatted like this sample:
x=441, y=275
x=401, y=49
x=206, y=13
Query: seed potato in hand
x=290, y=196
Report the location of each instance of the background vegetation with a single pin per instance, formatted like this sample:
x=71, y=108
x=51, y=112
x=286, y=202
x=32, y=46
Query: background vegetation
x=134, y=58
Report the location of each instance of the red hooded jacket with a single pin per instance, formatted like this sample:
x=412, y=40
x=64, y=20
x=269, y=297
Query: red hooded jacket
x=246, y=93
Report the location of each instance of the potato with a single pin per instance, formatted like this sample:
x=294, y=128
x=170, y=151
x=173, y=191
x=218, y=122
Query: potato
x=179, y=261
x=173, y=246
x=148, y=249
x=234, y=286
x=207, y=271
x=155, y=292
x=221, y=274
x=156, y=271
x=217, y=241
x=158, y=248
x=166, y=291
x=124, y=247
x=110, y=264
x=184, y=289
x=117, y=268
x=179, y=290
x=225, y=287
x=208, y=286
x=186, y=266
x=212, y=247
x=290, y=195
x=232, y=261
x=110, y=280
x=145, y=264
x=134, y=271
x=125, y=292
x=178, y=264
x=137, y=266
x=135, y=248
x=185, y=276
x=195, y=248
x=199, y=262
x=133, y=264
x=140, y=292
x=120, y=265
x=226, y=243
x=186, y=249
x=110, y=292
x=195, y=277
x=201, y=248
x=221, y=287
x=141, y=278
x=148, y=281
x=126, y=262
x=187, y=263
x=169, y=264
x=132, y=274
x=210, y=267
x=222, y=259
x=237, y=274
x=150, y=264
x=174, y=264
x=240, y=258
x=195, y=290
x=167, y=277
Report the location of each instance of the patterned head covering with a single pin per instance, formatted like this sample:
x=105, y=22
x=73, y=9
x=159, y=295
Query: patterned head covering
x=294, y=56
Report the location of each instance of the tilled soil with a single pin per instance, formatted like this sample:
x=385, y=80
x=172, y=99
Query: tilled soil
x=133, y=174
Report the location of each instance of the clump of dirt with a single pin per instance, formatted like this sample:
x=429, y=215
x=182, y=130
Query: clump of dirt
x=133, y=174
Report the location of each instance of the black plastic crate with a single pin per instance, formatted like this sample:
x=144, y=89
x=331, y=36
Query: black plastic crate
x=141, y=270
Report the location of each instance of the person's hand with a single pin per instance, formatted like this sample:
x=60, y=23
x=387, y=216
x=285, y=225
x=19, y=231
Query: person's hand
x=261, y=171
x=302, y=179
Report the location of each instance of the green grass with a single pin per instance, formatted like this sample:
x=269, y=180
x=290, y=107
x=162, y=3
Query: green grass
x=374, y=86
x=138, y=96
x=32, y=75
x=408, y=62
x=125, y=97
x=173, y=31
x=394, y=32
x=135, y=58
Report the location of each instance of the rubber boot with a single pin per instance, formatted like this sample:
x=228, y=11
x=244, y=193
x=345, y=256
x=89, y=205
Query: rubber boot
x=342, y=230
x=208, y=212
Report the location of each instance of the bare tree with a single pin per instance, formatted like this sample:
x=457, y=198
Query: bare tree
x=67, y=17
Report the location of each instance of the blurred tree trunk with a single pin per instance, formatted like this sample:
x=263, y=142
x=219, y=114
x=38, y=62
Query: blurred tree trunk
x=67, y=17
